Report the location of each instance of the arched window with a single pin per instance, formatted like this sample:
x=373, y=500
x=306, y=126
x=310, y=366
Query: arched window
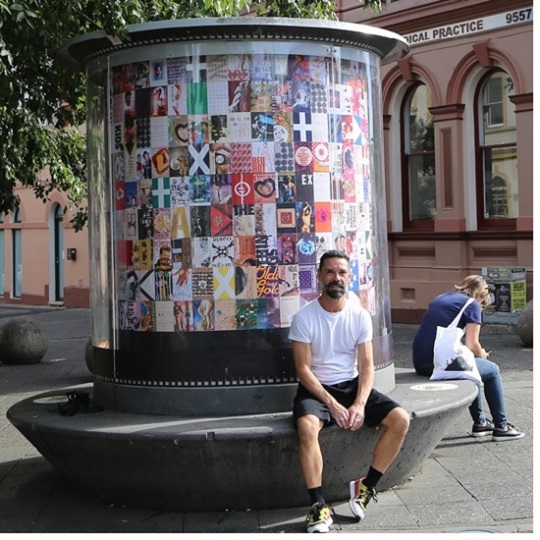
x=496, y=165
x=418, y=155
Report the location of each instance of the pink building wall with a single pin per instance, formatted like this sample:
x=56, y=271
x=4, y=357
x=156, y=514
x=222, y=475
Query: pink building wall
x=426, y=263
x=38, y=269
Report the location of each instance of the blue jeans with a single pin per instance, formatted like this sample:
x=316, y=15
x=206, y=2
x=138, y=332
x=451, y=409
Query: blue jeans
x=493, y=392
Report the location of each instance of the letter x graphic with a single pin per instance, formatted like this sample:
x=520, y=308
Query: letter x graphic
x=199, y=160
x=224, y=283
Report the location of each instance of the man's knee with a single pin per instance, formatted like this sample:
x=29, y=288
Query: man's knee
x=398, y=420
x=308, y=428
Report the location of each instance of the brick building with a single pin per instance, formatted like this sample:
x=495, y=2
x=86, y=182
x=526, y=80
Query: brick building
x=458, y=154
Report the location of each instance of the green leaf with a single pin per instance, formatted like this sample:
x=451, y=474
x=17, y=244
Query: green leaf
x=35, y=132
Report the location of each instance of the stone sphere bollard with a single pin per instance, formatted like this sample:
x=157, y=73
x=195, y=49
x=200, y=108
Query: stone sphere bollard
x=23, y=341
x=525, y=324
x=89, y=356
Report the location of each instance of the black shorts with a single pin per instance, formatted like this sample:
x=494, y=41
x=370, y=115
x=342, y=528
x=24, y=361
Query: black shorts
x=377, y=407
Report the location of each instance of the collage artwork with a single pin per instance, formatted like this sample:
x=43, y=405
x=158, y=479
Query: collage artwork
x=232, y=175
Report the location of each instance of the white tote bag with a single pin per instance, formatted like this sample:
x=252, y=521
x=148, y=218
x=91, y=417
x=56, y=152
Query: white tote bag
x=452, y=359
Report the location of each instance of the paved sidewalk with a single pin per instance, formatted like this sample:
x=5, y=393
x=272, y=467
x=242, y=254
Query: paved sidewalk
x=466, y=484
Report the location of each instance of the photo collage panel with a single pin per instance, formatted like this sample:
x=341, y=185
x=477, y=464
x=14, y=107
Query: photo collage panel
x=232, y=175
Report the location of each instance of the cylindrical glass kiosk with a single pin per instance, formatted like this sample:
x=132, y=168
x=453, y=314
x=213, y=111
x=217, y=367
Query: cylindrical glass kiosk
x=224, y=157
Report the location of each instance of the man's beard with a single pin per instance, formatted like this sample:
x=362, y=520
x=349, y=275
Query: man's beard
x=335, y=290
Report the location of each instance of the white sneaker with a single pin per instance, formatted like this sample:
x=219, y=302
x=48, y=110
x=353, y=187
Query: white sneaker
x=319, y=518
x=360, y=497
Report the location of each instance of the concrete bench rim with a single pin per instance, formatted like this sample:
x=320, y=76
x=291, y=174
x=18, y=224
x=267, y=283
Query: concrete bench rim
x=114, y=423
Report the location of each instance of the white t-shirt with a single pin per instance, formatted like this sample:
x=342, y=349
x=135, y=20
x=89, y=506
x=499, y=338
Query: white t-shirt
x=333, y=338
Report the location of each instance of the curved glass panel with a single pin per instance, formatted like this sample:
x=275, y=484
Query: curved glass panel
x=100, y=192
x=232, y=167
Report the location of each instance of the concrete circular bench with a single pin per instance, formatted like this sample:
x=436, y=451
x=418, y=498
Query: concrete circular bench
x=524, y=327
x=22, y=341
x=243, y=462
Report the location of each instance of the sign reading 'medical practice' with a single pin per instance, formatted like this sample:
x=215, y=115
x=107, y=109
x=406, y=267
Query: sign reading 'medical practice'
x=474, y=26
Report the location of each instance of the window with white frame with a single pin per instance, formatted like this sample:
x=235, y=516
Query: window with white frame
x=497, y=167
x=418, y=159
